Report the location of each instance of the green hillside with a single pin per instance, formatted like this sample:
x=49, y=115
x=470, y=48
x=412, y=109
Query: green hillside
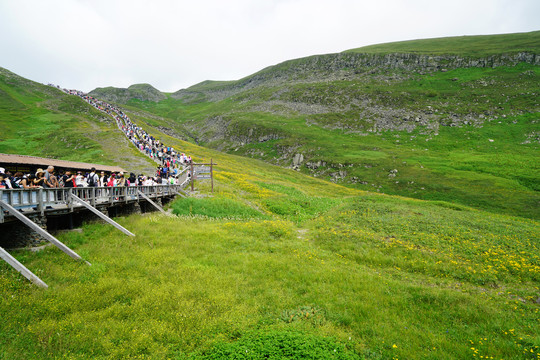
x=42, y=121
x=277, y=264
x=144, y=92
x=475, y=46
x=459, y=129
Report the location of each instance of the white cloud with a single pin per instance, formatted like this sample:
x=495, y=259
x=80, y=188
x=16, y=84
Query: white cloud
x=173, y=44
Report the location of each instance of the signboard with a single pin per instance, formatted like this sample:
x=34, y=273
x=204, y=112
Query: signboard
x=201, y=169
x=202, y=172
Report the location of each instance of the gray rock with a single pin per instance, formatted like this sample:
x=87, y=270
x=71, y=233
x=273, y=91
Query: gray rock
x=298, y=159
x=392, y=173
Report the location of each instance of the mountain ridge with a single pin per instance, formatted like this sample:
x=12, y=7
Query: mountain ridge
x=408, y=55
x=143, y=92
x=475, y=45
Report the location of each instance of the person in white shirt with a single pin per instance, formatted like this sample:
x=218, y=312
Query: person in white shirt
x=148, y=182
x=80, y=180
x=103, y=179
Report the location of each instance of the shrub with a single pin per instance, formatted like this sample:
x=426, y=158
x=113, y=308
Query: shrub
x=278, y=345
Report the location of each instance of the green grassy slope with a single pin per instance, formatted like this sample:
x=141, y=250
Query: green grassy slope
x=475, y=46
x=281, y=265
x=466, y=135
x=145, y=92
x=42, y=121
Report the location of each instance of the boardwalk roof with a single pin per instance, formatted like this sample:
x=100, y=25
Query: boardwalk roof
x=44, y=162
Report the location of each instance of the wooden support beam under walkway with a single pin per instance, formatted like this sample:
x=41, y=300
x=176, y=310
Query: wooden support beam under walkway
x=151, y=202
x=21, y=268
x=40, y=231
x=181, y=193
x=101, y=215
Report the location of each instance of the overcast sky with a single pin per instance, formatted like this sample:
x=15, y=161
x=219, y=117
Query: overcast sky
x=84, y=44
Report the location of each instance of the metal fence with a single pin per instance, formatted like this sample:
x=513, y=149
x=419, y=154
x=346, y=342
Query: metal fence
x=43, y=200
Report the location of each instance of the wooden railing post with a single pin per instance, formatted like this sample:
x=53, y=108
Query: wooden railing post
x=93, y=197
x=1, y=210
x=40, y=202
x=192, y=176
x=70, y=199
x=21, y=268
x=212, y=174
x=10, y=197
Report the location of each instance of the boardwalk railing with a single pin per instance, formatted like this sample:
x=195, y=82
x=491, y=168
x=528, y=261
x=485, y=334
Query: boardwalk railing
x=46, y=200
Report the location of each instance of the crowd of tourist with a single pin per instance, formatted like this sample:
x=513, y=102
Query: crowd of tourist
x=49, y=178
x=171, y=161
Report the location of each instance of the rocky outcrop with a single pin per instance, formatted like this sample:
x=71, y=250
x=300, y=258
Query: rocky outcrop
x=336, y=66
x=218, y=129
x=297, y=160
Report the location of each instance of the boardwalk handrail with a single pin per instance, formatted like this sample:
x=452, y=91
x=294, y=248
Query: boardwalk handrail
x=43, y=200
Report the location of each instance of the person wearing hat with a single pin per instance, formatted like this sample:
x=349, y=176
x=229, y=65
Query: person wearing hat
x=112, y=180
x=40, y=178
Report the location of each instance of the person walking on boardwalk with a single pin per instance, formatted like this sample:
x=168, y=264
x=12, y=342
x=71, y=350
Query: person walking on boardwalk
x=40, y=179
x=47, y=176
x=112, y=181
x=121, y=179
x=103, y=179
x=53, y=181
x=93, y=178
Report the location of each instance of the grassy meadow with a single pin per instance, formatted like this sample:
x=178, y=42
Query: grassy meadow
x=280, y=265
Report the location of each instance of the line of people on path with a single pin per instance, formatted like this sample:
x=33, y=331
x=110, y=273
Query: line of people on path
x=171, y=161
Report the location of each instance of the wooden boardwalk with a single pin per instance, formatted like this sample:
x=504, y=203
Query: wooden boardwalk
x=59, y=201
